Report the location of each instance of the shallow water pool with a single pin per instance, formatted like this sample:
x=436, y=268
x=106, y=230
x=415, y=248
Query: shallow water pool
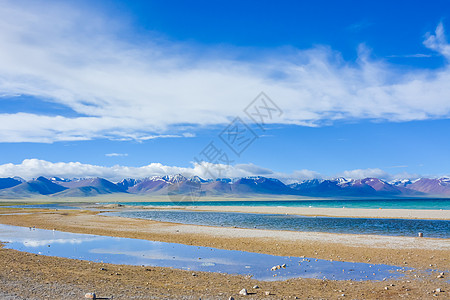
x=149, y=253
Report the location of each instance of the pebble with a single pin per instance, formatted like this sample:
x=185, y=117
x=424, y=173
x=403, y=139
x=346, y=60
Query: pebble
x=256, y=287
x=267, y=293
x=243, y=292
x=90, y=296
x=439, y=291
x=274, y=268
x=231, y=298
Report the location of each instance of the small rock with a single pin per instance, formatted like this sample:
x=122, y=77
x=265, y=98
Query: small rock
x=343, y=295
x=231, y=298
x=90, y=296
x=420, y=234
x=283, y=266
x=103, y=269
x=440, y=276
x=439, y=290
x=386, y=287
x=267, y=293
x=243, y=292
x=193, y=274
x=256, y=287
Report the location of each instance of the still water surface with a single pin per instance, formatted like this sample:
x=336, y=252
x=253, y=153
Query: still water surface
x=393, y=227
x=149, y=253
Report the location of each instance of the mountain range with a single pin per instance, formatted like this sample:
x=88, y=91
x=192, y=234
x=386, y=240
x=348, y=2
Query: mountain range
x=257, y=185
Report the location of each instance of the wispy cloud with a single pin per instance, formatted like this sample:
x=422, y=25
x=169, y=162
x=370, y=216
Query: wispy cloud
x=399, y=166
x=359, y=26
x=116, y=154
x=438, y=41
x=150, y=88
x=417, y=55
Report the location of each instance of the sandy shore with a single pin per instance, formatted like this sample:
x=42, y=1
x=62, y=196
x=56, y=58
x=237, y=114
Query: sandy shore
x=414, y=252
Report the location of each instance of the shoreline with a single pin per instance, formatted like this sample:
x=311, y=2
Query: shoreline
x=341, y=212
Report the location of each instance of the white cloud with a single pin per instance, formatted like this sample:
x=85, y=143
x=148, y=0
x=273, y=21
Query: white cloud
x=32, y=168
x=438, y=41
x=116, y=154
x=147, y=87
x=364, y=173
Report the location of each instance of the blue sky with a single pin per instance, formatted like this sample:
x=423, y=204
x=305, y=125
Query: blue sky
x=140, y=88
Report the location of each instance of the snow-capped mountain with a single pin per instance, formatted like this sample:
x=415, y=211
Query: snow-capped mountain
x=174, y=178
x=349, y=187
x=401, y=182
x=128, y=182
x=254, y=185
x=436, y=186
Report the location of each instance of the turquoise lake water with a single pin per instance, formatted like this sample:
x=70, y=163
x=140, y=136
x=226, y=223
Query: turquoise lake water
x=378, y=226
x=429, y=203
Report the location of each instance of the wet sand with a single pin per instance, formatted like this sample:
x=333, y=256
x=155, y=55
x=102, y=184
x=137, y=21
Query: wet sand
x=163, y=283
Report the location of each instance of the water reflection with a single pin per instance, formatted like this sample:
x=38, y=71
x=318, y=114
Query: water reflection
x=141, y=252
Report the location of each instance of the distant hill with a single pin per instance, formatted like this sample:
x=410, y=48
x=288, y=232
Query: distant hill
x=437, y=186
x=84, y=191
x=371, y=187
x=260, y=185
x=9, y=182
x=89, y=187
x=39, y=186
x=246, y=186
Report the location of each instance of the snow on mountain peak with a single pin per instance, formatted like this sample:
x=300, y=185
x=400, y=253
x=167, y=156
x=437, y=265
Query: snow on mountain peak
x=174, y=178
